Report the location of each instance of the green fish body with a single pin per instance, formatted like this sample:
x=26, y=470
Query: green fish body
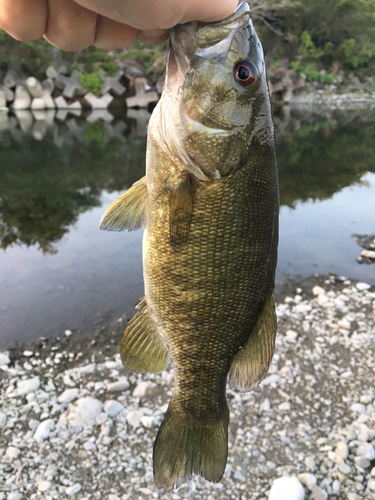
x=209, y=205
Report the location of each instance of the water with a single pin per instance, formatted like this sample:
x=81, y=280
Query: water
x=58, y=174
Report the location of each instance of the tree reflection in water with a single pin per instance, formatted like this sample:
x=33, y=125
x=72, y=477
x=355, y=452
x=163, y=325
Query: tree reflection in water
x=53, y=171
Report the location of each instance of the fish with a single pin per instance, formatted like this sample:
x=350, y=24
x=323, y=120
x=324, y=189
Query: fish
x=209, y=205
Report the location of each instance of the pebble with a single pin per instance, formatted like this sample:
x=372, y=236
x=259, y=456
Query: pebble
x=358, y=408
x=143, y=389
x=310, y=463
x=27, y=386
x=3, y=419
x=286, y=488
x=72, y=490
x=43, y=430
x=120, y=385
x=307, y=479
x=362, y=286
x=342, y=450
x=12, y=452
x=15, y=495
x=4, y=358
x=371, y=485
x=112, y=407
x=362, y=462
x=134, y=417
x=44, y=485
x=83, y=412
x=68, y=396
x=366, y=450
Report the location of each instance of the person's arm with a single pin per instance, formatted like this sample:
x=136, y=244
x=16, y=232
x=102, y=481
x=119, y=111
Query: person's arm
x=107, y=24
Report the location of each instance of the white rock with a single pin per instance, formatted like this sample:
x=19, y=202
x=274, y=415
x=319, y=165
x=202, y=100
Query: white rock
x=318, y=290
x=342, y=450
x=366, y=450
x=44, y=485
x=291, y=336
x=271, y=379
x=89, y=446
x=101, y=418
x=68, y=396
x=371, y=485
x=22, y=99
x=335, y=458
x=362, y=286
x=369, y=254
x=286, y=488
x=134, y=417
x=112, y=407
x=362, y=462
x=307, y=479
x=4, y=358
x=44, y=429
x=358, y=408
x=82, y=412
x=150, y=421
x=345, y=469
x=310, y=463
x=68, y=381
x=336, y=485
x=26, y=386
x=120, y=385
x=3, y=419
x=72, y=490
x=344, y=323
x=14, y=495
x=68, y=333
x=143, y=389
x=12, y=452
x=284, y=406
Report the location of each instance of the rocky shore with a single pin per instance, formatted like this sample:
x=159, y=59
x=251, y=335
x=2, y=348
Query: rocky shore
x=62, y=89
x=75, y=424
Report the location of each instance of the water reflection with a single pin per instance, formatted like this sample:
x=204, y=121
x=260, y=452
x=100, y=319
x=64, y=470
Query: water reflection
x=58, y=172
x=51, y=172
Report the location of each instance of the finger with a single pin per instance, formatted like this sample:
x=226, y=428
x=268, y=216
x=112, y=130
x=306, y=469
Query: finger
x=113, y=35
x=208, y=10
x=143, y=37
x=70, y=27
x=22, y=19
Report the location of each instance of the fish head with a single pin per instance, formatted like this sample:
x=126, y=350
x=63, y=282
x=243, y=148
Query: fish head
x=218, y=95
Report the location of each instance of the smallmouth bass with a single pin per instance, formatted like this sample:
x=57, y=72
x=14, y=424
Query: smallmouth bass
x=209, y=206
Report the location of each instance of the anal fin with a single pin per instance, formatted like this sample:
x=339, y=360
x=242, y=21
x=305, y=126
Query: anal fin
x=128, y=211
x=141, y=349
x=250, y=365
x=180, y=209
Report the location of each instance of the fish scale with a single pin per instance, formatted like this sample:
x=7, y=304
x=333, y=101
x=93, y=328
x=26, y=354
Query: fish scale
x=210, y=212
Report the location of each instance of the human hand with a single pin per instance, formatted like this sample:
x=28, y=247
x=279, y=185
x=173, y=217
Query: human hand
x=108, y=24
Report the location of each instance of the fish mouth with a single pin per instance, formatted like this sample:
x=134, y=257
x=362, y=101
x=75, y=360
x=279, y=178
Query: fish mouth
x=190, y=41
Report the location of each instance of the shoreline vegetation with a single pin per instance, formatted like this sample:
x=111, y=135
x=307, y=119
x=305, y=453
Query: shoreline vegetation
x=322, y=53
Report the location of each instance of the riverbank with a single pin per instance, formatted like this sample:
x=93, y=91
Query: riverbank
x=76, y=424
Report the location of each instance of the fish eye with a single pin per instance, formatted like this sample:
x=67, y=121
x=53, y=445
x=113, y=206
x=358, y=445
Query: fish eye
x=245, y=73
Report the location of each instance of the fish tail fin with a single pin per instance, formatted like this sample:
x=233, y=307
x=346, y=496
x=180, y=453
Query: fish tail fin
x=183, y=448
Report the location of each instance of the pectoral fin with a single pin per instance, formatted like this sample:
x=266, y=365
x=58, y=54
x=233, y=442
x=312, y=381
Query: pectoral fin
x=250, y=365
x=181, y=208
x=141, y=348
x=129, y=211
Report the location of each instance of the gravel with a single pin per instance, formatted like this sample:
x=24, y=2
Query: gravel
x=75, y=424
